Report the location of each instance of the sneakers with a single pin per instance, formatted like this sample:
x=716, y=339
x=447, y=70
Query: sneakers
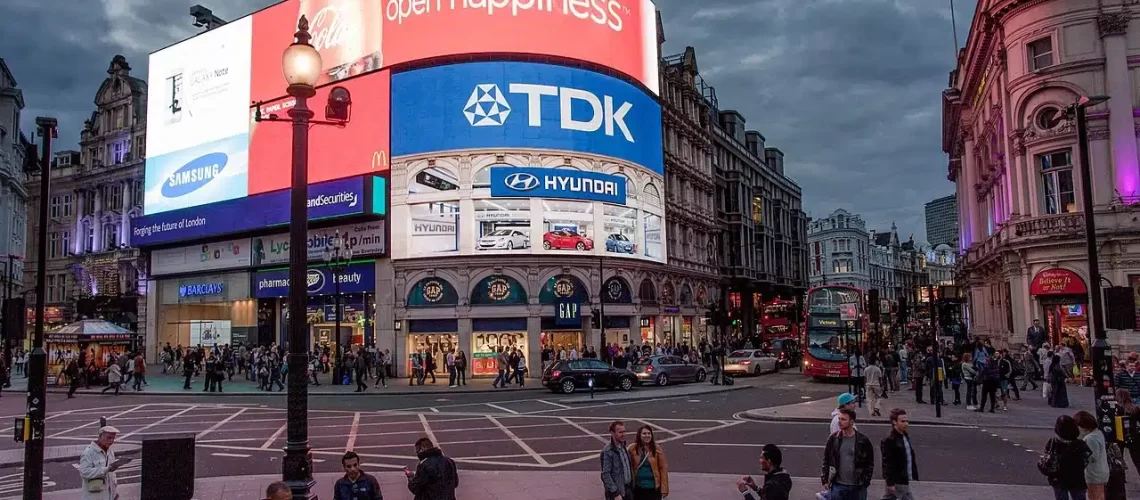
x=453, y=385
x=971, y=407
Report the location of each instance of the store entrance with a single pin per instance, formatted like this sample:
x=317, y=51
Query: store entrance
x=1068, y=323
x=324, y=336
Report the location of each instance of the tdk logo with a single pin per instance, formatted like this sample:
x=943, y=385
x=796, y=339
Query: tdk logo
x=193, y=175
x=521, y=181
x=487, y=106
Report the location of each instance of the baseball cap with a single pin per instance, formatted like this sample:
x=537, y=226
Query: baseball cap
x=846, y=398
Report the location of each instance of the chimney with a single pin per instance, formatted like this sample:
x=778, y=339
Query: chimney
x=733, y=124
x=755, y=143
x=775, y=159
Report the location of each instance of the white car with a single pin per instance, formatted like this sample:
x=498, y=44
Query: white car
x=504, y=239
x=750, y=362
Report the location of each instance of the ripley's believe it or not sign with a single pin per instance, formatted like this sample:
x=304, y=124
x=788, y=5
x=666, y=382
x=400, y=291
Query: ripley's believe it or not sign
x=1057, y=282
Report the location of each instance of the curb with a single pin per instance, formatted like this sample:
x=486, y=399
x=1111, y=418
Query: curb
x=639, y=395
x=69, y=457
x=382, y=392
x=769, y=418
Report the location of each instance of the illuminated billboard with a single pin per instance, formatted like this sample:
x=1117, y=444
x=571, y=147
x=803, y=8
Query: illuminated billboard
x=524, y=105
x=197, y=131
x=358, y=36
x=522, y=208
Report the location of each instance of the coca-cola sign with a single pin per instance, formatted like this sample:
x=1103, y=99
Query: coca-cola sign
x=1057, y=282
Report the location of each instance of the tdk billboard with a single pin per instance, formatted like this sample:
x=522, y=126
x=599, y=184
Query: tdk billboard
x=524, y=105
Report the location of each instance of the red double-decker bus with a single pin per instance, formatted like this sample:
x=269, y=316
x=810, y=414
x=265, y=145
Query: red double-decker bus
x=835, y=322
x=778, y=321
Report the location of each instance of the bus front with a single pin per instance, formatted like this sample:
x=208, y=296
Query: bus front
x=831, y=333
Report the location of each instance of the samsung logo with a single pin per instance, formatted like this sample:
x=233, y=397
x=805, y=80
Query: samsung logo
x=195, y=174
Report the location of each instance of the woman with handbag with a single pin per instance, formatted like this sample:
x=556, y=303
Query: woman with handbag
x=648, y=467
x=1097, y=470
x=1065, y=459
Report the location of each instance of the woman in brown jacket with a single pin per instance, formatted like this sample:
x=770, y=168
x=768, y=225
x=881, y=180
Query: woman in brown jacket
x=647, y=465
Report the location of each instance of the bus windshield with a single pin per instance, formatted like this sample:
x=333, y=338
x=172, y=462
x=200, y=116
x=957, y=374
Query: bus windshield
x=828, y=344
x=777, y=312
x=828, y=300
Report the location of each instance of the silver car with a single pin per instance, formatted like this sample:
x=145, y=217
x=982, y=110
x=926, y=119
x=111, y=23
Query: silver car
x=666, y=369
x=750, y=362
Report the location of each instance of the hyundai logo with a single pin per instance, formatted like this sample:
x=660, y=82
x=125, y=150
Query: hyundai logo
x=521, y=181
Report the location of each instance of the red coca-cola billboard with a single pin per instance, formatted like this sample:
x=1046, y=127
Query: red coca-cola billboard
x=359, y=148
x=347, y=33
x=357, y=36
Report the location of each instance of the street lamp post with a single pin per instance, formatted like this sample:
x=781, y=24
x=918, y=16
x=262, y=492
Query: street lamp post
x=37, y=360
x=337, y=254
x=1101, y=350
x=301, y=66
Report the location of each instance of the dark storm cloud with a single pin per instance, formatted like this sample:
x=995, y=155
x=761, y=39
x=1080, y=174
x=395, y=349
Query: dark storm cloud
x=848, y=89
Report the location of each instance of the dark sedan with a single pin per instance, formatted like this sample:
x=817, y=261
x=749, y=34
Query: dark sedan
x=570, y=375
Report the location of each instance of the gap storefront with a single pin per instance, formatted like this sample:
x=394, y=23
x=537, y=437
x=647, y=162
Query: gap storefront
x=355, y=287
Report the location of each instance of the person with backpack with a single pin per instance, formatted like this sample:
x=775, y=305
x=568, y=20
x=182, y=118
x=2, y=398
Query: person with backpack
x=1011, y=369
x=991, y=382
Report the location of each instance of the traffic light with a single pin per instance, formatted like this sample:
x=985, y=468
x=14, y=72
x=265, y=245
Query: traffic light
x=873, y=304
x=904, y=314
x=596, y=320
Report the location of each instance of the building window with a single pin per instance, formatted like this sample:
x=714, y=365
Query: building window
x=90, y=246
x=65, y=242
x=53, y=245
x=1057, y=182
x=120, y=151
x=1049, y=118
x=1040, y=53
x=116, y=198
x=110, y=236
x=51, y=288
x=137, y=194
x=56, y=210
x=62, y=284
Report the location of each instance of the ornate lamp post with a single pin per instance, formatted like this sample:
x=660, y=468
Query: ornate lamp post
x=337, y=255
x=301, y=66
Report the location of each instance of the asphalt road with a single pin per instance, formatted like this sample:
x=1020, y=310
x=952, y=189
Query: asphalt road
x=511, y=430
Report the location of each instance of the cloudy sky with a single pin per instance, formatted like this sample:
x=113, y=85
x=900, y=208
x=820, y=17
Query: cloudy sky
x=849, y=90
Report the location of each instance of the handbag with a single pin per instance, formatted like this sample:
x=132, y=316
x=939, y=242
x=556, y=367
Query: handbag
x=96, y=485
x=1116, y=463
x=1049, y=464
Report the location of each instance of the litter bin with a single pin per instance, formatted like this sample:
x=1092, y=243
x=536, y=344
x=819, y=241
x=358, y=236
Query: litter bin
x=168, y=467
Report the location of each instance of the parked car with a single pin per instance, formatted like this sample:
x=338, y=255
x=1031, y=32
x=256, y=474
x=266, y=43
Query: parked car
x=750, y=362
x=569, y=375
x=787, y=352
x=565, y=239
x=665, y=369
x=618, y=243
x=504, y=239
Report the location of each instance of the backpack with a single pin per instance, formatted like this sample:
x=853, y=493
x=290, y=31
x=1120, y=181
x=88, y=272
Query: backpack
x=263, y=372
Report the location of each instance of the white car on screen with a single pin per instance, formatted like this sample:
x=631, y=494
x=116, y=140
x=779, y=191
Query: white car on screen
x=504, y=239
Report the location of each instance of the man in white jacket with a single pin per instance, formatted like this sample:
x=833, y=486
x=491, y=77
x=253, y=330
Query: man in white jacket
x=97, y=467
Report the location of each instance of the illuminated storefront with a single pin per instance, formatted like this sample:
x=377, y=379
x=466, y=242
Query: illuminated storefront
x=1063, y=297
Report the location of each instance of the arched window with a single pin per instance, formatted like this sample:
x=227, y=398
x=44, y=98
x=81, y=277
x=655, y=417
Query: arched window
x=652, y=195
x=648, y=292
x=686, y=295
x=616, y=291
x=563, y=287
x=430, y=292
x=498, y=290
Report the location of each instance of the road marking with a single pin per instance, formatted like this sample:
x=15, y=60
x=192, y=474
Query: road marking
x=754, y=445
x=694, y=401
x=497, y=407
x=427, y=429
x=522, y=444
x=49, y=417
x=434, y=410
x=232, y=455
x=352, y=432
x=117, y=415
x=584, y=430
x=554, y=404
x=218, y=425
x=269, y=442
x=159, y=422
x=660, y=427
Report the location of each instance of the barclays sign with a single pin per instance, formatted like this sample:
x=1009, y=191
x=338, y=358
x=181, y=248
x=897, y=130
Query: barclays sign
x=201, y=289
x=530, y=182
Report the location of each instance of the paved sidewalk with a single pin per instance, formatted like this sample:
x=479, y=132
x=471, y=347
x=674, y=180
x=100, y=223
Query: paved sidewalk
x=565, y=485
x=15, y=457
x=1031, y=412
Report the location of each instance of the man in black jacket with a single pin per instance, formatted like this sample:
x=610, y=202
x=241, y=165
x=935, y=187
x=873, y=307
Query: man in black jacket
x=777, y=482
x=899, y=464
x=848, y=461
x=436, y=477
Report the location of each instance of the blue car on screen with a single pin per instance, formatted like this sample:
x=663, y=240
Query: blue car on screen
x=618, y=243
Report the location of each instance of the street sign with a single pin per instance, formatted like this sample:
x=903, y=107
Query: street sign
x=847, y=312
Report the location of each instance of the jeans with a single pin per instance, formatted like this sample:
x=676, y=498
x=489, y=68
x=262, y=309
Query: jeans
x=461, y=376
x=971, y=393
x=846, y=492
x=501, y=378
x=902, y=492
x=451, y=375
x=1060, y=494
x=902, y=368
x=140, y=379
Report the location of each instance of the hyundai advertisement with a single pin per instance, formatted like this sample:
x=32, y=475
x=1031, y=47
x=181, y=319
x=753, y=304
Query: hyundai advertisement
x=524, y=105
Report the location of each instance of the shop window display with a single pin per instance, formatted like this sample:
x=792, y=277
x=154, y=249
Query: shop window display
x=568, y=225
x=485, y=347
x=1068, y=324
x=435, y=344
x=620, y=229
x=502, y=224
x=433, y=228
x=654, y=237
x=562, y=340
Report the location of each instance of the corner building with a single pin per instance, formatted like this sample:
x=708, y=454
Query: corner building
x=1014, y=156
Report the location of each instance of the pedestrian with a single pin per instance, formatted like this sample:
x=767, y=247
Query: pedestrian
x=1128, y=378
x=918, y=373
x=278, y=491
x=436, y=476
x=970, y=376
x=954, y=373
x=501, y=363
x=616, y=475
x=356, y=484
x=1096, y=472
x=361, y=367
x=187, y=373
x=1131, y=413
x=848, y=461
x=904, y=361
x=73, y=377
x=461, y=368
x=873, y=380
x=991, y=383
x=417, y=367
x=114, y=379
x=1009, y=373
x=381, y=370
x=520, y=369
x=857, y=364
x=648, y=467
x=777, y=482
x=1065, y=459
x=899, y=464
x=450, y=360
x=97, y=467
x=211, y=381
x=1058, y=393
x=846, y=401
x=1029, y=368
x=429, y=365
x=140, y=372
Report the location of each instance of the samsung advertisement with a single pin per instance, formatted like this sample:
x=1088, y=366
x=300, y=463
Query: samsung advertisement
x=524, y=105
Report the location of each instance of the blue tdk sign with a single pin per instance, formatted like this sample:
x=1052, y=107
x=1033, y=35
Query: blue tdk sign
x=528, y=182
x=525, y=105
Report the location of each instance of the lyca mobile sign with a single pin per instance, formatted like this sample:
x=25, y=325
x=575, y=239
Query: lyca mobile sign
x=526, y=182
x=525, y=105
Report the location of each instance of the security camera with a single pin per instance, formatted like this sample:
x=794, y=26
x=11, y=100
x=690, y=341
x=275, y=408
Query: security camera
x=205, y=18
x=339, y=108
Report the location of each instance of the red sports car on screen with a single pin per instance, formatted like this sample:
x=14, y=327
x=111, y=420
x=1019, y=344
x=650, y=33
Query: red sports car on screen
x=564, y=239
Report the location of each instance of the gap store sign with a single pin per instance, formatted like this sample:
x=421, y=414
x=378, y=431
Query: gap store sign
x=355, y=278
x=527, y=182
x=524, y=105
x=339, y=198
